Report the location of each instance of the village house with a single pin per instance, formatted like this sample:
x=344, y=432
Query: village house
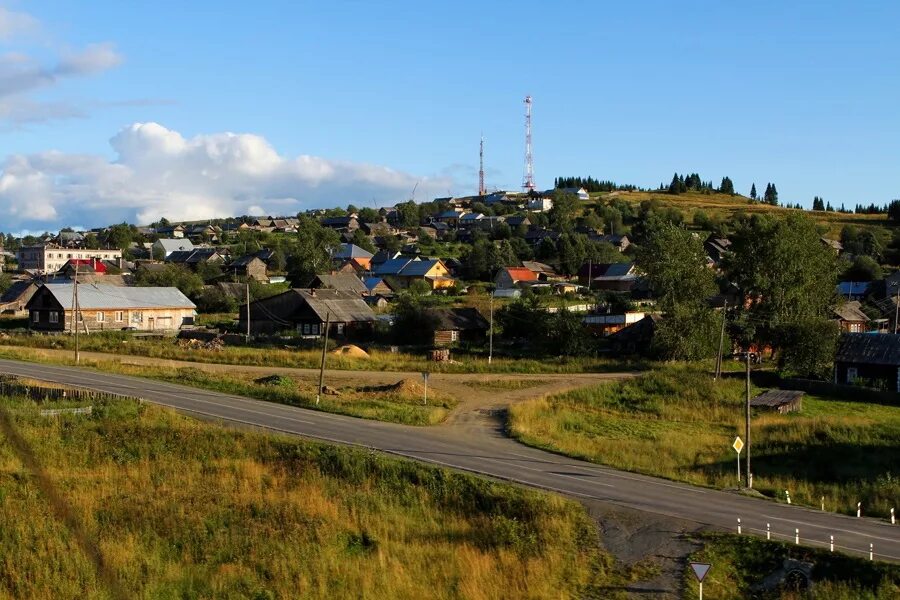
x=851, y=318
x=341, y=224
x=539, y=204
x=249, y=267
x=343, y=282
x=868, y=359
x=197, y=256
x=306, y=312
x=164, y=247
x=103, y=307
x=352, y=252
x=171, y=231
x=14, y=299
x=433, y=272
x=50, y=258
x=458, y=325
x=510, y=277
x=614, y=277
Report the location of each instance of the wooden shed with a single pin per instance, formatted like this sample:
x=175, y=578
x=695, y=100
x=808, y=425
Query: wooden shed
x=782, y=401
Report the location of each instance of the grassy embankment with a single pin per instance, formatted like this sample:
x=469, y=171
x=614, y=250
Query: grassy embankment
x=740, y=563
x=723, y=206
x=139, y=498
x=401, y=403
x=679, y=424
x=379, y=360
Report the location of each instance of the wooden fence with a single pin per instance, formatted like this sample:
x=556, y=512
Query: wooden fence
x=11, y=386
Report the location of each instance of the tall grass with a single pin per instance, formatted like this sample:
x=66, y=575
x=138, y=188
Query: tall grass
x=184, y=509
x=679, y=424
x=379, y=360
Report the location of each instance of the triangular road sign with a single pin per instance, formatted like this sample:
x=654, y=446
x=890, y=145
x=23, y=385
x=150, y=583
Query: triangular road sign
x=700, y=570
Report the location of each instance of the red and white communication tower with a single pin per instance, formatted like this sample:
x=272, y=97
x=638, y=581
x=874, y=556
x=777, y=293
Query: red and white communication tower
x=481, y=189
x=528, y=182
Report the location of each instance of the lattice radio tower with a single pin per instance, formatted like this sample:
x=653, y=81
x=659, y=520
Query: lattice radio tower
x=481, y=189
x=528, y=182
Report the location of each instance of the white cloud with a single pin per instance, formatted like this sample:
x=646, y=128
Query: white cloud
x=22, y=74
x=16, y=24
x=159, y=173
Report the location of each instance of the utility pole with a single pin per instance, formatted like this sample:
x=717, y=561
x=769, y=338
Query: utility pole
x=75, y=312
x=721, y=343
x=590, y=273
x=248, y=311
x=491, y=335
x=896, y=306
x=747, y=423
x=324, y=350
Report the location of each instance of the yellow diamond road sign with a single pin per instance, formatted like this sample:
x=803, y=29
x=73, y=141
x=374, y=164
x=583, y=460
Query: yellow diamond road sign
x=738, y=444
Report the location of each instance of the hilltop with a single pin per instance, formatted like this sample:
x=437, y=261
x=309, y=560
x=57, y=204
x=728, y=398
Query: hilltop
x=724, y=206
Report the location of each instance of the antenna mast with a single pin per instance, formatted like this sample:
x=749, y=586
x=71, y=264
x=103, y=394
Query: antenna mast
x=528, y=183
x=481, y=190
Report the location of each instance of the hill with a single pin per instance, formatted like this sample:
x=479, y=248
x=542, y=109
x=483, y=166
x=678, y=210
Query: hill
x=724, y=206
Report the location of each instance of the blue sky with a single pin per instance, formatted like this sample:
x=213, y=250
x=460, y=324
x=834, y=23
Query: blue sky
x=802, y=94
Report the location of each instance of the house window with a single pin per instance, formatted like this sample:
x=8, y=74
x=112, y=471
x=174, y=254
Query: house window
x=54, y=316
x=120, y=316
x=851, y=374
x=306, y=329
x=855, y=328
x=101, y=317
x=340, y=329
x=314, y=329
x=35, y=317
x=454, y=336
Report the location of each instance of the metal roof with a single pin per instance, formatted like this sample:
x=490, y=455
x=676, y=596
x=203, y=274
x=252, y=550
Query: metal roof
x=869, y=349
x=173, y=245
x=352, y=251
x=392, y=266
x=98, y=296
x=418, y=268
x=343, y=307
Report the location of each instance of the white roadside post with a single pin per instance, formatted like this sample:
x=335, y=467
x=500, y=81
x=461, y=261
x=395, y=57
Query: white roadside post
x=787, y=495
x=871, y=552
x=831, y=543
x=858, y=509
x=768, y=532
x=893, y=521
x=738, y=445
x=823, y=503
x=700, y=571
x=739, y=526
x=797, y=536
x=425, y=379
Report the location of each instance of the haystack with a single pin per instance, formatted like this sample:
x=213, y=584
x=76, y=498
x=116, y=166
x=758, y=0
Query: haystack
x=351, y=351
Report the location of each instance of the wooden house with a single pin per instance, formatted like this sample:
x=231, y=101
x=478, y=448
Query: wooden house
x=455, y=325
x=307, y=311
x=103, y=307
x=869, y=359
x=780, y=401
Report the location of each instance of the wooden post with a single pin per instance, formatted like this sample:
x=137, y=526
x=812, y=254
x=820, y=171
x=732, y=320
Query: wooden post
x=324, y=352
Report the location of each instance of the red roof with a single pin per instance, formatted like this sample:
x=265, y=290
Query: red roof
x=95, y=263
x=521, y=274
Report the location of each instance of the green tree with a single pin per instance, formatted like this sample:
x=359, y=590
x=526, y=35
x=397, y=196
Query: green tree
x=565, y=207
x=726, y=187
x=784, y=272
x=369, y=215
x=753, y=192
x=675, y=264
x=363, y=241
x=311, y=250
x=808, y=347
x=170, y=276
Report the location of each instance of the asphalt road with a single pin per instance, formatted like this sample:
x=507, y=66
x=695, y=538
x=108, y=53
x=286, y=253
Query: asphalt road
x=490, y=453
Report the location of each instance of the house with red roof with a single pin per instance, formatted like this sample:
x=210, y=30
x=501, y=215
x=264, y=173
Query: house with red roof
x=509, y=277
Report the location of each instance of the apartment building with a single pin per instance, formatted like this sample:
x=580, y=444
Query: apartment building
x=50, y=258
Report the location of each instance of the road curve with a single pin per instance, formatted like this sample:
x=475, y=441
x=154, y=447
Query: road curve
x=494, y=455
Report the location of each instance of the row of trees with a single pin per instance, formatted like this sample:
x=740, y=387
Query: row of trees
x=591, y=185
x=784, y=275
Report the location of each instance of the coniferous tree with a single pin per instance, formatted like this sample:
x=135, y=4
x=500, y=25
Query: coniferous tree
x=753, y=192
x=726, y=187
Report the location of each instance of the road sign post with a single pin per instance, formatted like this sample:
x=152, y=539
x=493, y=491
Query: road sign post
x=738, y=445
x=425, y=379
x=700, y=570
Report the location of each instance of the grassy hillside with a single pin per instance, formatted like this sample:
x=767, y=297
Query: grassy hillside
x=136, y=501
x=724, y=206
x=741, y=563
x=679, y=424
